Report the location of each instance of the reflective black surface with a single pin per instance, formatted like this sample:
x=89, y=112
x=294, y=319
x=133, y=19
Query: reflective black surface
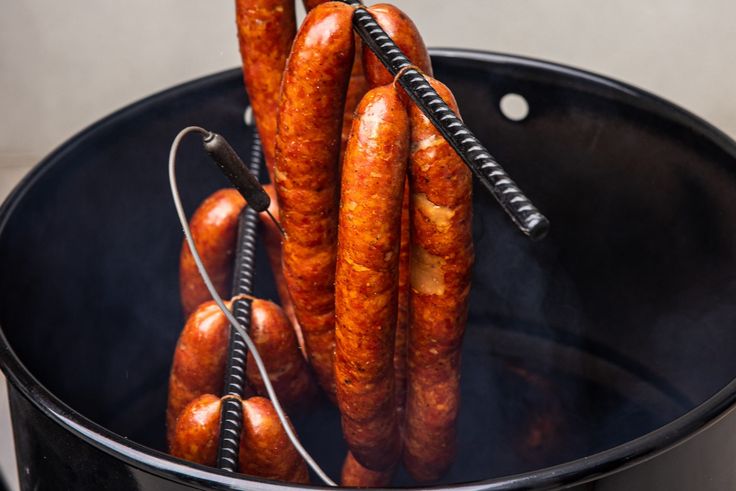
x=579, y=348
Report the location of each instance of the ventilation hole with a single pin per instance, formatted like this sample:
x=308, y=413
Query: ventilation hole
x=514, y=107
x=248, y=116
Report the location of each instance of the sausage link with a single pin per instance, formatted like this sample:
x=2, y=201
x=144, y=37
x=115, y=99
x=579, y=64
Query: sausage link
x=543, y=422
x=273, y=335
x=307, y=154
x=310, y=4
x=195, y=436
x=265, y=449
x=357, y=88
x=272, y=239
x=201, y=357
x=405, y=34
x=199, y=361
x=366, y=280
x=266, y=30
x=441, y=263
x=402, y=319
x=355, y=475
x=214, y=230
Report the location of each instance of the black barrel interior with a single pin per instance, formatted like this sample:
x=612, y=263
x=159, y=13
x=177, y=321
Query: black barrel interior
x=620, y=321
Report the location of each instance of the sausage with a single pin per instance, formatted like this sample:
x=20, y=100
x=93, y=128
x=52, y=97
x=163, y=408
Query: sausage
x=543, y=422
x=201, y=357
x=214, y=230
x=195, y=435
x=310, y=4
x=402, y=318
x=272, y=239
x=265, y=450
x=276, y=342
x=406, y=36
x=199, y=360
x=355, y=475
x=357, y=88
x=307, y=153
x=366, y=279
x=266, y=30
x=441, y=263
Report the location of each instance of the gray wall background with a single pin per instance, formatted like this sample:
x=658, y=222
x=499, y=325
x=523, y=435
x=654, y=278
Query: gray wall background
x=64, y=64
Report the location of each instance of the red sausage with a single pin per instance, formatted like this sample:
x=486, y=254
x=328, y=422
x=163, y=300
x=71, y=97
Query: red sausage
x=405, y=34
x=355, y=475
x=194, y=438
x=266, y=30
x=273, y=335
x=357, y=88
x=441, y=263
x=307, y=154
x=544, y=422
x=366, y=280
x=402, y=321
x=265, y=450
x=199, y=360
x=201, y=357
x=214, y=230
x=272, y=239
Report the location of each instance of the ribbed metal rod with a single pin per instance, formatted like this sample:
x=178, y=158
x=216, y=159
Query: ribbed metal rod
x=231, y=419
x=480, y=161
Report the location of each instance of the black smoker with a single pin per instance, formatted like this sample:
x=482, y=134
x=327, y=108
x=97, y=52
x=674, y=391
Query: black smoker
x=600, y=358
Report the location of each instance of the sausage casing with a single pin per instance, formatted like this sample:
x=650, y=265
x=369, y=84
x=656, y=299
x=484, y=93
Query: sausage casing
x=194, y=438
x=307, y=154
x=265, y=449
x=272, y=239
x=214, y=230
x=366, y=282
x=405, y=34
x=266, y=30
x=402, y=318
x=441, y=263
x=355, y=475
x=199, y=360
x=357, y=88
